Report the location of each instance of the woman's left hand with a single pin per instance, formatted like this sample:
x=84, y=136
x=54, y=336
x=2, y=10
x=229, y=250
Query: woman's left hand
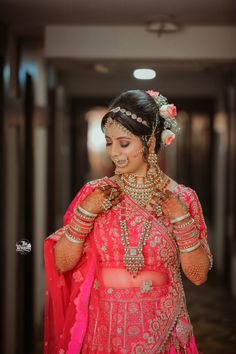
x=172, y=206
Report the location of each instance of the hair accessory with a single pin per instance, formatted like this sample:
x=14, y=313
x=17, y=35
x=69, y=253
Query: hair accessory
x=168, y=112
x=167, y=136
x=111, y=122
x=129, y=114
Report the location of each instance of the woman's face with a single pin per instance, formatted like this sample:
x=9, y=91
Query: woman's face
x=125, y=150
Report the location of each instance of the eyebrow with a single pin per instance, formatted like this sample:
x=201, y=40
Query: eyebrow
x=119, y=137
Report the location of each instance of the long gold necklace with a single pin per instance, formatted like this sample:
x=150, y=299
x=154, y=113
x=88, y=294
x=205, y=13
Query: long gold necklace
x=142, y=193
x=133, y=255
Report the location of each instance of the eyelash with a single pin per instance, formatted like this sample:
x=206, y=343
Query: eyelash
x=124, y=146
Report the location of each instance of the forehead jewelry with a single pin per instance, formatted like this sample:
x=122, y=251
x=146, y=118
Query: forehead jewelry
x=130, y=114
x=111, y=122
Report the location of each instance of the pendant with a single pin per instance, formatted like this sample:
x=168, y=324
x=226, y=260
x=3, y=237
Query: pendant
x=133, y=260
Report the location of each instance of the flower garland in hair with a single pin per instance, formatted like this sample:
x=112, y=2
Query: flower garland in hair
x=169, y=113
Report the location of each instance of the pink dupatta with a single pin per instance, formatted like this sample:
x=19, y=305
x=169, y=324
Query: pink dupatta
x=67, y=294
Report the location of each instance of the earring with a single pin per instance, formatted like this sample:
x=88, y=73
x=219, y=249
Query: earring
x=152, y=160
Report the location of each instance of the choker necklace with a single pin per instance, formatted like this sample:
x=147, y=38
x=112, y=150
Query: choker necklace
x=142, y=193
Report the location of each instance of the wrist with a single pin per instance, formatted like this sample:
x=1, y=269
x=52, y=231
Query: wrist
x=182, y=222
x=180, y=218
x=86, y=211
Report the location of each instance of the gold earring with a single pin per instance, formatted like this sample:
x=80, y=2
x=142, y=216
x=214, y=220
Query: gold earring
x=152, y=159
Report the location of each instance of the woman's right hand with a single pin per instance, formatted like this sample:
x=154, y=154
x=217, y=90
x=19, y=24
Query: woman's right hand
x=93, y=202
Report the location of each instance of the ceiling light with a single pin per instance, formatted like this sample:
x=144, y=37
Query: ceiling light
x=144, y=74
x=101, y=68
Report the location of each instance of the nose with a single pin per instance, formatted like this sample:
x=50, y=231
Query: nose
x=115, y=151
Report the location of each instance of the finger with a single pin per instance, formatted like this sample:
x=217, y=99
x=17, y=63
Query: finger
x=104, y=187
x=117, y=200
x=111, y=194
x=168, y=192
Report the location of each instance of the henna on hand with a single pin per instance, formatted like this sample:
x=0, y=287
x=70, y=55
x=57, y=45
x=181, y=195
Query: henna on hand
x=67, y=254
x=195, y=265
x=93, y=202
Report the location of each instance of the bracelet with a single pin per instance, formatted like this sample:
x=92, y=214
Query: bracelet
x=81, y=216
x=186, y=234
x=88, y=213
x=74, y=239
x=180, y=218
x=76, y=233
x=184, y=231
x=79, y=223
x=189, y=249
x=181, y=226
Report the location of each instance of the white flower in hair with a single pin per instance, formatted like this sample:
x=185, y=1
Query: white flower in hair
x=168, y=111
x=167, y=136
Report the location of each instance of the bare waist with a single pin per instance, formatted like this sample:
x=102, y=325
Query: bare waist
x=119, y=277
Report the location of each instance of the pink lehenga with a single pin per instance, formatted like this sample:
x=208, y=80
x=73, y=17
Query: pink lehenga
x=97, y=307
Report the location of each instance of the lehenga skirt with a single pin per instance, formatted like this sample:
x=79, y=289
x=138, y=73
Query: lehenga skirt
x=124, y=320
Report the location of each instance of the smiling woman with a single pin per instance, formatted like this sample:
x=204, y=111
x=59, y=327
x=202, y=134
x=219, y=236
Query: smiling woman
x=113, y=270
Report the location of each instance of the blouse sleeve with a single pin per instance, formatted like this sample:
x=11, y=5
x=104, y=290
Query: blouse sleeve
x=195, y=210
x=83, y=192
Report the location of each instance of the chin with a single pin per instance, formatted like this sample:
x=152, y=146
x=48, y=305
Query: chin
x=121, y=170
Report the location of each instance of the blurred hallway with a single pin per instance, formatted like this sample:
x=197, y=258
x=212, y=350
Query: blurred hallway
x=60, y=66
x=213, y=311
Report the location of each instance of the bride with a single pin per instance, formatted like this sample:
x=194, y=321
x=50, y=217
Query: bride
x=113, y=271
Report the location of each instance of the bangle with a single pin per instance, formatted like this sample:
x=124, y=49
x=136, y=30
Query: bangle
x=88, y=213
x=191, y=248
x=81, y=216
x=185, y=230
x=74, y=239
x=180, y=218
x=76, y=233
x=183, y=225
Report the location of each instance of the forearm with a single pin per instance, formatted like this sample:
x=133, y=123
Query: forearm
x=67, y=254
x=194, y=259
x=195, y=265
x=69, y=249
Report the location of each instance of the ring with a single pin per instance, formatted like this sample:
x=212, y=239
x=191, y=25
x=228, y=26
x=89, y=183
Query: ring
x=106, y=204
x=103, y=187
x=158, y=209
x=111, y=194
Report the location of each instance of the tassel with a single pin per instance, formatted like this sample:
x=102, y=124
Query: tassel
x=192, y=347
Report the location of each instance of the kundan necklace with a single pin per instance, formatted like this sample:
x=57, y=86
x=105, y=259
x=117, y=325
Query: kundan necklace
x=133, y=255
x=142, y=193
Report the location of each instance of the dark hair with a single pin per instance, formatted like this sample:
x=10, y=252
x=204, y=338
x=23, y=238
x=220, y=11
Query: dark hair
x=143, y=105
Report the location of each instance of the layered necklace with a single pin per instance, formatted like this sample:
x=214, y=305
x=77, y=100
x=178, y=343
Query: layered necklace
x=141, y=193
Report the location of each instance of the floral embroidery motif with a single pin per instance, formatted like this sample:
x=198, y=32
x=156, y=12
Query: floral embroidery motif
x=146, y=286
x=183, y=331
x=119, y=315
